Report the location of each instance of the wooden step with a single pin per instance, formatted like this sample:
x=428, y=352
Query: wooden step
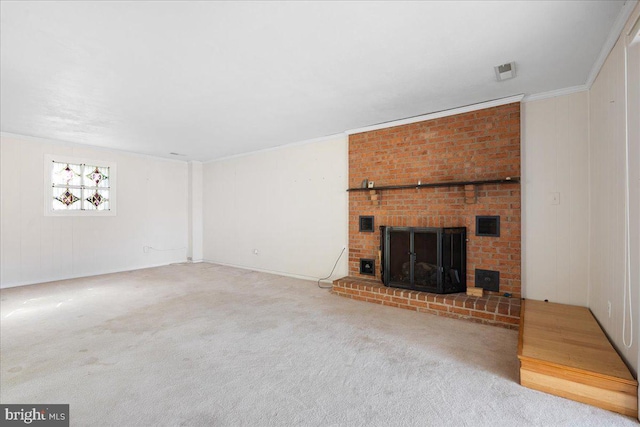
x=563, y=351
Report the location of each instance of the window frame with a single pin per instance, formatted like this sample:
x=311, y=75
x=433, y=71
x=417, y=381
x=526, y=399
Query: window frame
x=49, y=159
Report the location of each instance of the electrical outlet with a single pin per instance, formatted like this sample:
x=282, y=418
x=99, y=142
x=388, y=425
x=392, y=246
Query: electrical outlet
x=145, y=249
x=609, y=307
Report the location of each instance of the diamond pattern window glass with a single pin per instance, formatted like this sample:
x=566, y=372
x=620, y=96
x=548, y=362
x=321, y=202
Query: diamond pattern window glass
x=80, y=186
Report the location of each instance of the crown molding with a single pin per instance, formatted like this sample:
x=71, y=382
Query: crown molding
x=415, y=119
x=614, y=34
x=554, y=93
x=439, y=114
x=70, y=144
x=280, y=147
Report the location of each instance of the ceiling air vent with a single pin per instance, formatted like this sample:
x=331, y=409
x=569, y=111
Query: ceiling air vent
x=505, y=71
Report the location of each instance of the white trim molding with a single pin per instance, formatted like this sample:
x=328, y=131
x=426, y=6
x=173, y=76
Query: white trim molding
x=557, y=92
x=262, y=270
x=75, y=276
x=439, y=114
x=38, y=139
x=279, y=147
x=614, y=34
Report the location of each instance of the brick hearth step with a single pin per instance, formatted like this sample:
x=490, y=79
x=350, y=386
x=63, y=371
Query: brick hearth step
x=489, y=310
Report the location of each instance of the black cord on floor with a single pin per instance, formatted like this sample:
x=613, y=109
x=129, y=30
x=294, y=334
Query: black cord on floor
x=334, y=267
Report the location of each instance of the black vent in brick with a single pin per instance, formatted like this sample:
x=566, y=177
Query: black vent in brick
x=366, y=223
x=368, y=267
x=488, y=280
x=488, y=226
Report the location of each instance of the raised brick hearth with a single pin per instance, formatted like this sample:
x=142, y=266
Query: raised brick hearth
x=490, y=310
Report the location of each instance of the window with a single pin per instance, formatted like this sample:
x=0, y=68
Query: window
x=79, y=186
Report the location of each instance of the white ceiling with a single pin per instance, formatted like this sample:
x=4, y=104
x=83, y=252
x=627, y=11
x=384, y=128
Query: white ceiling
x=210, y=80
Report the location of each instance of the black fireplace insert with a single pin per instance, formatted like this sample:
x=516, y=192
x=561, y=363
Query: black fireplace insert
x=424, y=259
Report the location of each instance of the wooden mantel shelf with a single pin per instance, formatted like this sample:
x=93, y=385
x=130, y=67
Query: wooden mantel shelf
x=507, y=180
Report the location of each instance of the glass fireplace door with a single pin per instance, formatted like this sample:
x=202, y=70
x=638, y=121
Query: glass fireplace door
x=400, y=257
x=453, y=259
x=426, y=262
x=426, y=259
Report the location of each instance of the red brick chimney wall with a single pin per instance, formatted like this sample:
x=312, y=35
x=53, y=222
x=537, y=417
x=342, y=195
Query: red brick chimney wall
x=479, y=145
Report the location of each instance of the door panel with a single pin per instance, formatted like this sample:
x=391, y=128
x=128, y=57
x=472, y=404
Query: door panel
x=399, y=251
x=425, y=269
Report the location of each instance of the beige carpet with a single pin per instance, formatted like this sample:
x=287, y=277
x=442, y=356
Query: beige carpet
x=207, y=345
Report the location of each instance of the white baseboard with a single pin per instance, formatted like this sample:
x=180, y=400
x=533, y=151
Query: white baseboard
x=262, y=270
x=100, y=273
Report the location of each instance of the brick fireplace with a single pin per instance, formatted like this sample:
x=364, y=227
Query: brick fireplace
x=482, y=145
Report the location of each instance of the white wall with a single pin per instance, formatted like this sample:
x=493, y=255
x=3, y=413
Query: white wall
x=290, y=204
x=555, y=158
x=633, y=115
x=152, y=211
x=195, y=211
x=607, y=261
x=574, y=252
